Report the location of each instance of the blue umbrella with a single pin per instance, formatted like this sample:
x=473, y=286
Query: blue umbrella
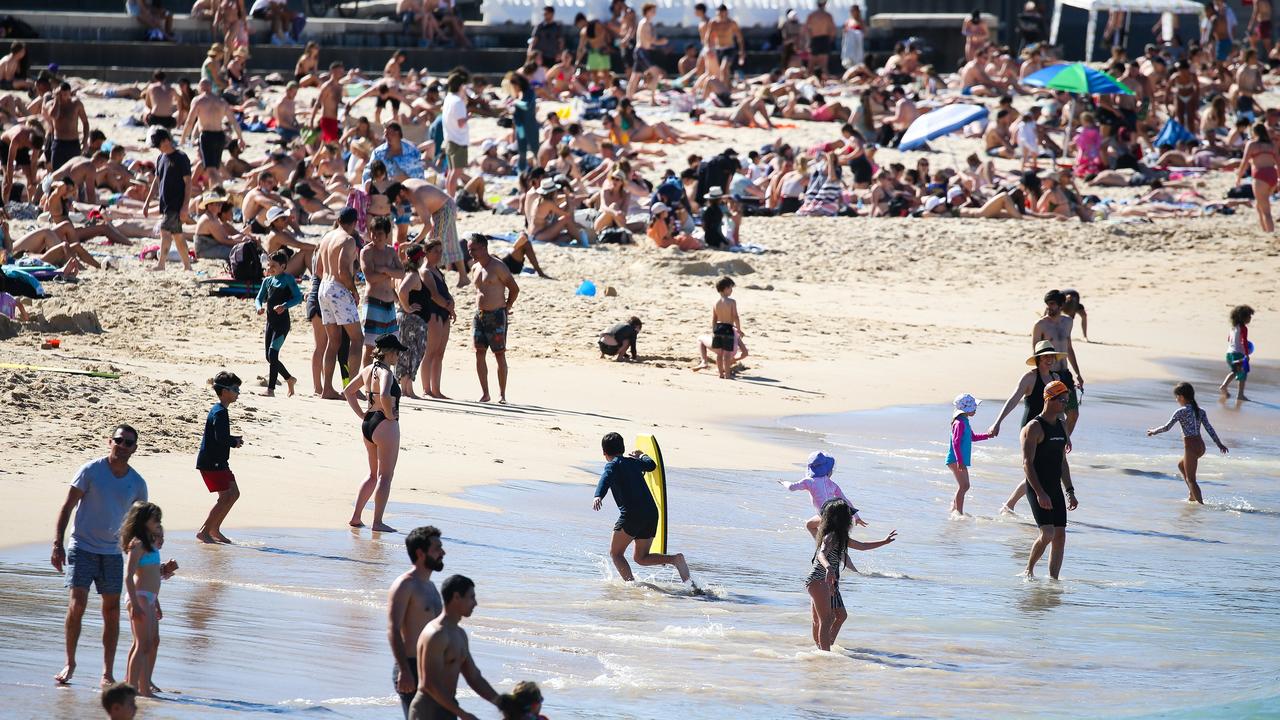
x=943, y=121
x=1076, y=78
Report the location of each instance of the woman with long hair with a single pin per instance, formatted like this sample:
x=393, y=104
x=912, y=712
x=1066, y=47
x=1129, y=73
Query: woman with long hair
x=823, y=582
x=380, y=425
x=440, y=314
x=1190, y=419
x=414, y=314
x=1260, y=158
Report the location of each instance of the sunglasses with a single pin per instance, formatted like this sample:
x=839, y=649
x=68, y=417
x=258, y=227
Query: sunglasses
x=124, y=441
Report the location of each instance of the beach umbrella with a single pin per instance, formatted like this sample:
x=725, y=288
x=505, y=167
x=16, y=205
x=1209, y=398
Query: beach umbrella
x=1172, y=133
x=943, y=121
x=1076, y=78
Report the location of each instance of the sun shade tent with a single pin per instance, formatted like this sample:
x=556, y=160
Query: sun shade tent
x=1175, y=7
x=943, y=121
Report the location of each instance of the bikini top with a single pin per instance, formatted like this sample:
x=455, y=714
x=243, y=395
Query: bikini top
x=393, y=389
x=151, y=558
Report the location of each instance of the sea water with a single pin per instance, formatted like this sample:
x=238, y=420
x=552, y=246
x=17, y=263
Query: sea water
x=1165, y=609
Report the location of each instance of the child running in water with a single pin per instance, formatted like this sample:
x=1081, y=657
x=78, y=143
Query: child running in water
x=822, y=488
x=278, y=293
x=823, y=582
x=959, y=454
x=1238, y=350
x=1190, y=418
x=141, y=537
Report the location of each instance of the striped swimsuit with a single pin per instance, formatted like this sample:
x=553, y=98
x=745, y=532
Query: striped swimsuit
x=835, y=556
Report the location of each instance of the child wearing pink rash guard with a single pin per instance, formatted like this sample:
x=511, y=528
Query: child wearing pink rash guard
x=821, y=487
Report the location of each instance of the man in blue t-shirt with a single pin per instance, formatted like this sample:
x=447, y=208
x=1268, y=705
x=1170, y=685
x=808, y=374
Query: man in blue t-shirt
x=104, y=490
x=637, y=512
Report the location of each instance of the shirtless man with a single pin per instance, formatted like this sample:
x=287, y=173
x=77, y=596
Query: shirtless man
x=65, y=114
x=1056, y=328
x=335, y=267
x=974, y=79
x=328, y=105
x=724, y=40
x=161, y=101
x=19, y=146
x=439, y=215
x=285, y=113
x=258, y=201
x=81, y=171
x=821, y=28
x=545, y=219
x=998, y=140
x=11, y=65
x=444, y=654
x=412, y=602
x=382, y=268
x=643, y=71
x=211, y=114
x=496, y=292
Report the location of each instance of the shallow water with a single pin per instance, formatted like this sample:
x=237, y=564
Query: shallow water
x=1165, y=609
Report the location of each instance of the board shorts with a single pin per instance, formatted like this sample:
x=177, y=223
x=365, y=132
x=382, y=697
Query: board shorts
x=312, y=306
x=378, y=318
x=820, y=45
x=1057, y=515
x=171, y=222
x=1239, y=364
x=104, y=572
x=167, y=122
x=406, y=699
x=490, y=330
x=444, y=227
x=722, y=337
x=515, y=266
x=598, y=61
x=62, y=152
x=218, y=480
x=456, y=154
x=337, y=304
x=423, y=707
x=330, y=130
x=644, y=527
x=640, y=60
x=1073, y=396
x=1222, y=48
x=212, y=143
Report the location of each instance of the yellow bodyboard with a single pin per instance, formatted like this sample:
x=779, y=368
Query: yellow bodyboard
x=657, y=481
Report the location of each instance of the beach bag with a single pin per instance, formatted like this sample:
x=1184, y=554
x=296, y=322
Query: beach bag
x=245, y=262
x=616, y=236
x=899, y=206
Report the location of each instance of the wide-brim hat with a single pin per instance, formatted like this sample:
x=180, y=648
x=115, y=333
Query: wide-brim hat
x=211, y=198
x=715, y=193
x=1044, y=347
x=548, y=186
x=390, y=342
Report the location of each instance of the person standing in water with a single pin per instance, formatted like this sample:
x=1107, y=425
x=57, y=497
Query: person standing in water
x=1055, y=327
x=412, y=602
x=1044, y=460
x=213, y=459
x=1190, y=418
x=1238, y=351
x=444, y=654
x=637, y=512
x=959, y=453
x=823, y=582
x=1031, y=390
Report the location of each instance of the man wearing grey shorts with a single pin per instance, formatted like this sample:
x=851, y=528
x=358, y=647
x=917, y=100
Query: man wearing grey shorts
x=101, y=494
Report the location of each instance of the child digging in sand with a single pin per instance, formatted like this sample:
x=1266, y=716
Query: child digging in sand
x=278, y=293
x=215, y=452
x=725, y=327
x=959, y=454
x=1190, y=418
x=141, y=537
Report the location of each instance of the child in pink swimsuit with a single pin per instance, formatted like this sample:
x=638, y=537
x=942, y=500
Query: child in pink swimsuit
x=822, y=488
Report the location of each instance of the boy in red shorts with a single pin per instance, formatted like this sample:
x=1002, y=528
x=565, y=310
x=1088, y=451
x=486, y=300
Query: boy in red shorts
x=215, y=451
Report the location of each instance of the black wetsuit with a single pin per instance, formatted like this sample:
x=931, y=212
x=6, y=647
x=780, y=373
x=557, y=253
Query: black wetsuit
x=1048, y=467
x=637, y=512
x=373, y=418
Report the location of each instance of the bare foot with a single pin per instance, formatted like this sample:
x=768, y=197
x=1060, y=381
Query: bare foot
x=64, y=676
x=144, y=693
x=268, y=393
x=1242, y=398
x=291, y=382
x=702, y=366
x=1006, y=510
x=356, y=523
x=382, y=527
x=484, y=398
x=107, y=679
x=222, y=538
x=205, y=537
x=155, y=688
x=330, y=395
x=1224, y=392
x=502, y=400
x=413, y=395
x=156, y=268
x=682, y=567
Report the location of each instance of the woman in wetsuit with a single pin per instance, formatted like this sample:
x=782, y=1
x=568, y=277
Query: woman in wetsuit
x=1030, y=391
x=380, y=425
x=1260, y=158
x=823, y=581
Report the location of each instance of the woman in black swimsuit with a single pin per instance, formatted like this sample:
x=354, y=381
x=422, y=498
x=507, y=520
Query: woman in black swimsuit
x=380, y=426
x=439, y=313
x=1030, y=391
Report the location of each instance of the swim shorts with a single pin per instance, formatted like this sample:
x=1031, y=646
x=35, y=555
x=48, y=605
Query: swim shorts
x=722, y=337
x=1239, y=364
x=1223, y=49
x=172, y=222
x=820, y=45
x=1057, y=516
x=444, y=227
x=104, y=572
x=1073, y=399
x=515, y=266
x=337, y=304
x=424, y=707
x=640, y=528
x=312, y=305
x=212, y=143
x=406, y=699
x=456, y=154
x=167, y=122
x=217, y=480
x=598, y=61
x=330, y=130
x=378, y=318
x=490, y=330
x=640, y=60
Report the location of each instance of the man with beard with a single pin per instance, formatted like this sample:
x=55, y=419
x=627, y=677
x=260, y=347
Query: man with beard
x=1056, y=328
x=413, y=602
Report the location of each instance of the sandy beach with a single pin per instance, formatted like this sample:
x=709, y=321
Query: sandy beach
x=840, y=315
